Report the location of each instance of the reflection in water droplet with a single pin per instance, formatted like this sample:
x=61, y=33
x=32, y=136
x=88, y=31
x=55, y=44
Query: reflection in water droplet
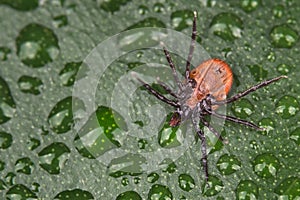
x=37, y=45
x=5, y=140
x=158, y=191
x=295, y=135
x=125, y=181
x=142, y=143
x=242, y=109
x=216, y=186
x=68, y=73
x=75, y=194
x=283, y=36
x=186, y=182
x=33, y=143
x=289, y=188
x=287, y=107
x=227, y=26
x=60, y=21
x=182, y=19
x=24, y=165
x=278, y=11
x=129, y=195
x=29, y=84
x=143, y=10
x=284, y=69
x=10, y=178
x=250, y=5
x=153, y=177
x=258, y=72
x=246, y=189
x=266, y=165
x=113, y=5
x=4, y=52
x=21, y=5
x=7, y=103
x=159, y=7
x=228, y=164
x=253, y=144
x=20, y=191
x=53, y=157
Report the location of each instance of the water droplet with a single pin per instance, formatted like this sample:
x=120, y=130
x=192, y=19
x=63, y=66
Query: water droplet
x=61, y=116
x=137, y=180
x=76, y=194
x=266, y=165
x=142, y=143
x=250, y=5
x=129, y=195
x=253, y=144
x=152, y=178
x=33, y=143
x=2, y=165
x=143, y=10
x=22, y=5
x=28, y=84
x=258, y=72
x=227, y=26
x=20, y=191
x=148, y=22
x=98, y=135
x=53, y=157
x=242, y=109
x=295, y=135
x=60, y=21
x=167, y=137
x=113, y=5
x=284, y=69
x=68, y=73
x=182, y=19
x=171, y=167
x=186, y=182
x=2, y=185
x=216, y=186
x=7, y=103
x=5, y=140
x=268, y=124
x=287, y=107
x=247, y=189
x=278, y=11
x=4, y=52
x=228, y=164
x=10, y=178
x=24, y=165
x=159, y=7
x=37, y=45
x=158, y=191
x=271, y=56
x=289, y=188
x=125, y=181
x=283, y=36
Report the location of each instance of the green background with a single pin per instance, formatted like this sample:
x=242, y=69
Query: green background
x=42, y=46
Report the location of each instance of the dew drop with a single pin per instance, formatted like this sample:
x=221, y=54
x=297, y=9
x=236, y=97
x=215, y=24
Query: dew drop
x=278, y=11
x=216, y=186
x=267, y=124
x=20, y=191
x=283, y=36
x=227, y=26
x=295, y=136
x=113, y=5
x=7, y=103
x=182, y=19
x=53, y=157
x=158, y=191
x=33, y=143
x=28, y=84
x=159, y=8
x=125, y=181
x=153, y=177
x=75, y=194
x=171, y=166
x=242, y=109
x=289, y=188
x=287, y=107
x=68, y=74
x=253, y=144
x=22, y=5
x=142, y=143
x=5, y=140
x=129, y=195
x=4, y=52
x=24, y=165
x=60, y=21
x=266, y=165
x=186, y=182
x=2, y=165
x=250, y=5
x=284, y=69
x=247, y=189
x=228, y=164
x=37, y=45
x=143, y=10
x=10, y=178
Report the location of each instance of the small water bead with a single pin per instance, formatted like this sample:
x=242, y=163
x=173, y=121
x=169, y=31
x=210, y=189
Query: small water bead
x=258, y=72
x=125, y=181
x=129, y=195
x=284, y=69
x=24, y=165
x=60, y=21
x=2, y=165
x=37, y=45
x=7, y=103
x=254, y=144
x=282, y=36
x=171, y=168
x=75, y=194
x=28, y=84
x=2, y=185
x=6, y=140
x=266, y=165
x=113, y=5
x=153, y=177
x=142, y=143
x=295, y=136
x=33, y=143
x=27, y=5
x=148, y=22
x=143, y=10
x=287, y=107
x=20, y=191
x=186, y=182
x=158, y=191
x=268, y=124
x=228, y=164
x=289, y=188
x=68, y=74
x=4, y=52
x=250, y=5
x=247, y=190
x=182, y=19
x=159, y=7
x=278, y=11
x=242, y=109
x=216, y=186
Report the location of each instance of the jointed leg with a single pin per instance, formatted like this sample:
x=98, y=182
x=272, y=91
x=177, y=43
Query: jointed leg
x=218, y=135
x=192, y=47
x=167, y=88
x=252, y=89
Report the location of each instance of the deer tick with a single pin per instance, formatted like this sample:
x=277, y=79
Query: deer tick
x=204, y=89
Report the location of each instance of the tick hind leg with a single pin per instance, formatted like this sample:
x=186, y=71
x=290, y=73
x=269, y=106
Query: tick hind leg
x=192, y=47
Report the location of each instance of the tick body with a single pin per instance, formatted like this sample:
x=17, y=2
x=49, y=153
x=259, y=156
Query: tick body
x=203, y=90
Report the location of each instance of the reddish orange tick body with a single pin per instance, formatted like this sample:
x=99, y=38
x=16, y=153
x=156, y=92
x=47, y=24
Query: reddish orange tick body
x=204, y=89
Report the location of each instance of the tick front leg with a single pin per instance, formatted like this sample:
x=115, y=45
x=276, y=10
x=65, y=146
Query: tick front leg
x=192, y=47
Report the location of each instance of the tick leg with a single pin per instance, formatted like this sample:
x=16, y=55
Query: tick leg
x=251, y=89
x=218, y=135
x=158, y=95
x=167, y=88
x=192, y=47
x=201, y=135
x=169, y=59
x=236, y=120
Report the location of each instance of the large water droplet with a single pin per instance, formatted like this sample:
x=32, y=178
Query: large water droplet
x=7, y=103
x=20, y=191
x=247, y=189
x=53, y=157
x=242, y=109
x=289, y=188
x=113, y=5
x=186, y=182
x=216, y=186
x=228, y=164
x=228, y=26
x=29, y=84
x=37, y=45
x=24, y=165
x=266, y=165
x=158, y=191
x=69, y=72
x=75, y=194
x=182, y=19
x=250, y=5
x=295, y=135
x=5, y=140
x=283, y=36
x=153, y=177
x=287, y=107
x=4, y=52
x=129, y=195
x=22, y=5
